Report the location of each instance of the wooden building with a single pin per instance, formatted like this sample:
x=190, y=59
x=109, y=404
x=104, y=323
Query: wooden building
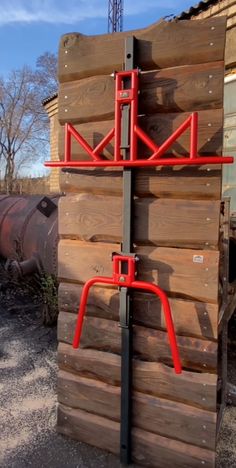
x=216, y=8
x=51, y=107
x=181, y=237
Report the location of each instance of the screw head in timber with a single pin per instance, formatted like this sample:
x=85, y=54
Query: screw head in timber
x=122, y=279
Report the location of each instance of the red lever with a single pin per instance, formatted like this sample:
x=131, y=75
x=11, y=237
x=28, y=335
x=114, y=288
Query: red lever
x=128, y=280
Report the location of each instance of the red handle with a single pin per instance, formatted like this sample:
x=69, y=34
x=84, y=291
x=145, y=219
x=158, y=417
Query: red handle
x=137, y=285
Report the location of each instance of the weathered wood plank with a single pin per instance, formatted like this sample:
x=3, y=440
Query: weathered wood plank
x=199, y=183
x=190, y=273
x=176, y=223
x=191, y=318
x=202, y=182
x=196, y=389
x=178, y=89
x=195, y=223
x=159, y=416
x=160, y=45
x=146, y=445
x=230, y=49
x=197, y=319
x=149, y=344
x=175, y=420
x=148, y=449
x=159, y=127
x=172, y=89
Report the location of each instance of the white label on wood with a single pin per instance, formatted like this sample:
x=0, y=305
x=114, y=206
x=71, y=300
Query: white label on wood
x=198, y=258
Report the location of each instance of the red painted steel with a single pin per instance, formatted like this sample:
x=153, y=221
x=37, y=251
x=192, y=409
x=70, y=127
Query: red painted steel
x=128, y=280
x=194, y=135
x=130, y=96
x=200, y=160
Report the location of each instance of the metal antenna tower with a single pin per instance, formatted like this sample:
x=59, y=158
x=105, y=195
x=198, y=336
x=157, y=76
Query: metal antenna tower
x=115, y=15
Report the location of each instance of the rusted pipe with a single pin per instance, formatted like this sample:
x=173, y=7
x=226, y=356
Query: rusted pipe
x=24, y=268
x=29, y=233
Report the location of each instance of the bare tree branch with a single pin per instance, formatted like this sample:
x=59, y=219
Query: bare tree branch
x=23, y=121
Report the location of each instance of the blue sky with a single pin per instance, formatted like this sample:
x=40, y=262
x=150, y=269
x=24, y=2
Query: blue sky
x=28, y=28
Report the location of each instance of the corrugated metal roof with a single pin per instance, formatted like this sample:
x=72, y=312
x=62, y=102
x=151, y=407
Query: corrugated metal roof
x=196, y=9
x=49, y=98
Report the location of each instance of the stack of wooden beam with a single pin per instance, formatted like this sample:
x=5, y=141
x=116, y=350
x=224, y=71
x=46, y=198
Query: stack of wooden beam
x=176, y=236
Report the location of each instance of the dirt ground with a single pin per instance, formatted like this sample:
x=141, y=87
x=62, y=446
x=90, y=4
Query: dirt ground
x=28, y=371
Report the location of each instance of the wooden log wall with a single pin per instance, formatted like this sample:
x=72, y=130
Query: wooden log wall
x=176, y=236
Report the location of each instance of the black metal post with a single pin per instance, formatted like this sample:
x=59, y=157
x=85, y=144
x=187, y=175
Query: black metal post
x=125, y=299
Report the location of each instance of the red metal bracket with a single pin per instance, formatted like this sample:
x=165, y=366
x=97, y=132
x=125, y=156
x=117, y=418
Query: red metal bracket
x=128, y=263
x=125, y=96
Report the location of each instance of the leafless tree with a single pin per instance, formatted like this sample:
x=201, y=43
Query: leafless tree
x=46, y=72
x=23, y=122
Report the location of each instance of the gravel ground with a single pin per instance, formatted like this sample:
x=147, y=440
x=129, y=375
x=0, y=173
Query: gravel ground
x=28, y=373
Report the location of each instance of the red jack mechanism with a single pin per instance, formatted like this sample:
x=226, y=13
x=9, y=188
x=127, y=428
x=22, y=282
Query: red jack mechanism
x=128, y=263
x=130, y=96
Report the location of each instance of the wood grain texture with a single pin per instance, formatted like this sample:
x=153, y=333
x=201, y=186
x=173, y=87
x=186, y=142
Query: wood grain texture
x=159, y=127
x=193, y=388
x=159, y=416
x=172, y=269
x=149, y=344
x=198, y=183
x=161, y=45
x=197, y=319
x=176, y=223
x=230, y=49
x=145, y=445
x=148, y=449
x=178, y=89
x=174, y=420
x=172, y=89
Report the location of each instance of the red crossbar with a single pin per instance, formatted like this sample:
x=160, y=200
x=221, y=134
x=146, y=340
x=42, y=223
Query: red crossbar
x=140, y=163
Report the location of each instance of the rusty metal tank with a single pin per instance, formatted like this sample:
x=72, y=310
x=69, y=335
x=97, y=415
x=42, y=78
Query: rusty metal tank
x=29, y=232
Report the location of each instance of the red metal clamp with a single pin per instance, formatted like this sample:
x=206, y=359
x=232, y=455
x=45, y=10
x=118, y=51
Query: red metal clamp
x=128, y=264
